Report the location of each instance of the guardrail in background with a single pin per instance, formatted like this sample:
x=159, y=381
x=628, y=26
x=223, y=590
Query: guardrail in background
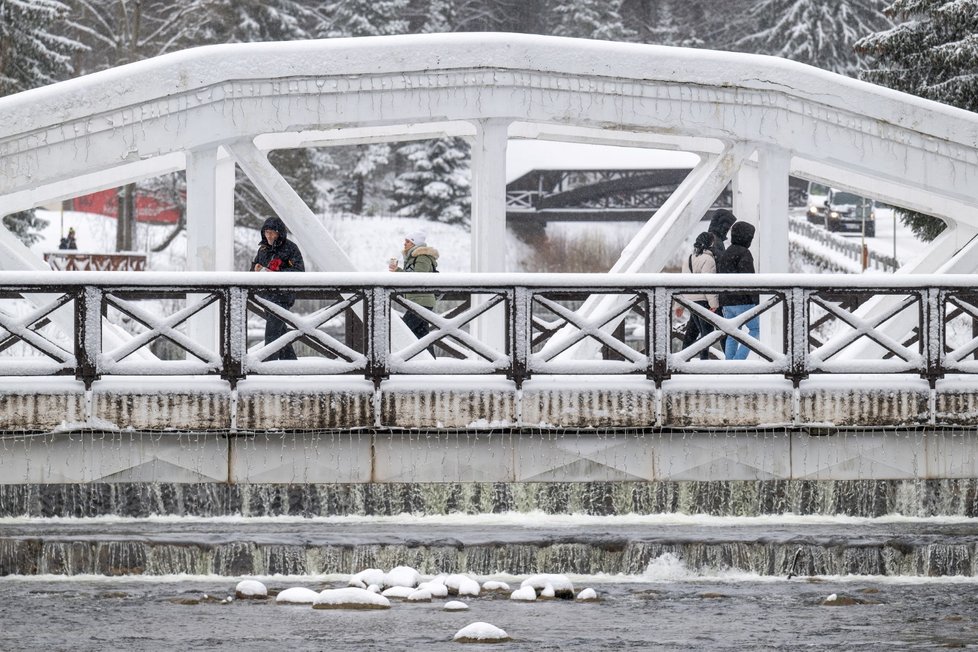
x=82, y=262
x=484, y=324
x=847, y=248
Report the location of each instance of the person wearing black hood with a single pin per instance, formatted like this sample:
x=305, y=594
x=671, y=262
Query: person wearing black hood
x=720, y=225
x=737, y=259
x=276, y=253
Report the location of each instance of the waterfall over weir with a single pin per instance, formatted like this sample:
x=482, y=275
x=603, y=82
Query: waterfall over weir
x=763, y=527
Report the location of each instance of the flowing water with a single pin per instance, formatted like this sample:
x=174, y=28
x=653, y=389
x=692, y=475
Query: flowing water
x=678, y=566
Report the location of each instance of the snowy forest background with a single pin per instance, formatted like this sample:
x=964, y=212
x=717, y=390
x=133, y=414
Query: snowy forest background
x=925, y=47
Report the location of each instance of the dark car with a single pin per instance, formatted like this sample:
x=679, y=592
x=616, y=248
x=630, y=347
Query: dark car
x=845, y=211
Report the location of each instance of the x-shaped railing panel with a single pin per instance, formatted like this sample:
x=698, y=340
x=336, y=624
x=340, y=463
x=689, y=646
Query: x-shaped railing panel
x=476, y=356
x=157, y=326
x=869, y=327
x=773, y=360
x=954, y=353
x=335, y=356
x=594, y=326
x=24, y=327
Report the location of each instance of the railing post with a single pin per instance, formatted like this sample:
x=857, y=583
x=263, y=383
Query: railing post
x=234, y=333
x=796, y=332
x=377, y=322
x=520, y=338
x=660, y=340
x=88, y=333
x=932, y=333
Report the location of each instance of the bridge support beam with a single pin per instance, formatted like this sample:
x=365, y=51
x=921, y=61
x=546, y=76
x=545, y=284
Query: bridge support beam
x=489, y=215
x=210, y=228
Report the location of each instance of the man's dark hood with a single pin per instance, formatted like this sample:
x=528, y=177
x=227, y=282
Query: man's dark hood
x=276, y=224
x=721, y=222
x=742, y=233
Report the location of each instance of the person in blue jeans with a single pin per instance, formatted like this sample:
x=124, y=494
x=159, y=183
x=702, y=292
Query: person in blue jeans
x=737, y=259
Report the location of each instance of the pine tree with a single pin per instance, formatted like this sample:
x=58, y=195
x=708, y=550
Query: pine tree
x=250, y=21
x=438, y=187
x=33, y=52
x=593, y=19
x=932, y=52
x=26, y=225
x=365, y=18
x=817, y=32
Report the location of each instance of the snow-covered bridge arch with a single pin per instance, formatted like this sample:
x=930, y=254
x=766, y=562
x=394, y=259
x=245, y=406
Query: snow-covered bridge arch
x=753, y=120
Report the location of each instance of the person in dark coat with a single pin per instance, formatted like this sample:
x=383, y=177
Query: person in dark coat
x=737, y=259
x=720, y=225
x=276, y=253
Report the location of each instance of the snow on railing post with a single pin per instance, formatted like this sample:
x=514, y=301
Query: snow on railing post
x=932, y=333
x=797, y=334
x=88, y=333
x=377, y=321
x=234, y=333
x=520, y=334
x=660, y=307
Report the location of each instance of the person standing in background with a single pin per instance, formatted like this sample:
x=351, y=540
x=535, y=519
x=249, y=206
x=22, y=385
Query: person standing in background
x=418, y=257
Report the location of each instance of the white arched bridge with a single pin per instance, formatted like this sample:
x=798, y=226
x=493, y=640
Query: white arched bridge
x=511, y=353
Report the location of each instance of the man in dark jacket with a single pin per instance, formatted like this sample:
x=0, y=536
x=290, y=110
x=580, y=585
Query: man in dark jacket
x=737, y=259
x=720, y=225
x=276, y=253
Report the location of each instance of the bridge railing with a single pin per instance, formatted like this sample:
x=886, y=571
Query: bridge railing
x=511, y=325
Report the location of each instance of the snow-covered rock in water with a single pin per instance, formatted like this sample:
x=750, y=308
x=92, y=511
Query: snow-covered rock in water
x=435, y=588
x=548, y=592
x=357, y=584
x=493, y=586
x=367, y=577
x=563, y=588
x=462, y=585
x=455, y=605
x=402, y=576
x=525, y=593
x=373, y=588
x=419, y=595
x=587, y=595
x=250, y=590
x=296, y=595
x=481, y=633
x=350, y=598
x=398, y=592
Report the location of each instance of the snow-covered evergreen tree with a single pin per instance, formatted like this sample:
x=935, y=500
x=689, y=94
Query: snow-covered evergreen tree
x=249, y=21
x=365, y=18
x=26, y=225
x=932, y=52
x=34, y=50
x=817, y=32
x=594, y=19
x=438, y=188
x=360, y=183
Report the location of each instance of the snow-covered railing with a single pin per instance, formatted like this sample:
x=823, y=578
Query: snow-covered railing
x=482, y=324
x=77, y=261
x=847, y=248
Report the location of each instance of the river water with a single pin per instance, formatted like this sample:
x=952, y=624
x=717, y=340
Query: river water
x=680, y=611
x=666, y=582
